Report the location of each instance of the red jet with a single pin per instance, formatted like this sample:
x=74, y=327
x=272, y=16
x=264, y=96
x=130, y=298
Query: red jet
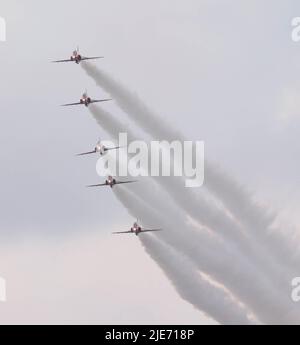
x=110, y=181
x=99, y=148
x=77, y=57
x=136, y=229
x=86, y=100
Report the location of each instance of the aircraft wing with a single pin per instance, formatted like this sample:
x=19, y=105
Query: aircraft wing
x=69, y=60
x=97, y=185
x=122, y=232
x=92, y=58
x=112, y=148
x=86, y=153
x=149, y=230
x=125, y=182
x=69, y=104
x=100, y=100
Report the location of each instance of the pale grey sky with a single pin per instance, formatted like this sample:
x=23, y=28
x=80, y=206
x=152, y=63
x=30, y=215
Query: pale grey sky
x=225, y=72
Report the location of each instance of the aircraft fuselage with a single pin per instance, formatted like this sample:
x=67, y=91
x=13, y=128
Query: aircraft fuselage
x=77, y=58
x=136, y=230
x=85, y=100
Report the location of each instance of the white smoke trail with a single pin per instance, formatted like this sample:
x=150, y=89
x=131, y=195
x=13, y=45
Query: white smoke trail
x=192, y=287
x=189, y=284
x=211, y=257
x=241, y=282
x=256, y=220
x=209, y=216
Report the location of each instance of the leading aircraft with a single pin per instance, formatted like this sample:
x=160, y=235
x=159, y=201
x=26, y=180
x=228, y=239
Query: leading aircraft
x=110, y=181
x=86, y=100
x=99, y=148
x=136, y=229
x=77, y=57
